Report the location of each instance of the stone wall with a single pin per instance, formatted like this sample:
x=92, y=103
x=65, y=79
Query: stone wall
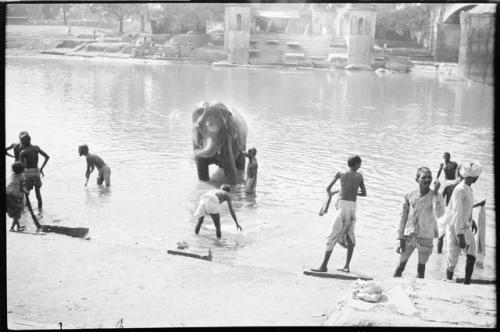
x=447, y=42
x=477, y=47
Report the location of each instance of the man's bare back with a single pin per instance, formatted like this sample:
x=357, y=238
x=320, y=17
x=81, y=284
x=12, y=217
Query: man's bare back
x=222, y=195
x=29, y=156
x=350, y=183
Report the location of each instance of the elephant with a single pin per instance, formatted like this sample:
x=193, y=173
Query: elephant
x=219, y=137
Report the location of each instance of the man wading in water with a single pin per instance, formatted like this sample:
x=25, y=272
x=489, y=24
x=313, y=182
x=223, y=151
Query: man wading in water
x=16, y=146
x=29, y=158
x=210, y=205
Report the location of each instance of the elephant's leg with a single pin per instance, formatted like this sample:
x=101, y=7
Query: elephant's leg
x=240, y=161
x=230, y=171
x=202, y=167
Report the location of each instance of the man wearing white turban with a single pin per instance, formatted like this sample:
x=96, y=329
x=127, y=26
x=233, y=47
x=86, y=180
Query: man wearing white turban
x=459, y=232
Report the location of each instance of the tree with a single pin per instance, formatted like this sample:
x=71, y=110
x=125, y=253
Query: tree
x=65, y=9
x=119, y=11
x=182, y=17
x=49, y=11
x=415, y=18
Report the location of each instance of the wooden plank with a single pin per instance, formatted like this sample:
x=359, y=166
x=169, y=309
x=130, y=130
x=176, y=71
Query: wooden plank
x=80, y=232
x=337, y=275
x=189, y=254
x=482, y=281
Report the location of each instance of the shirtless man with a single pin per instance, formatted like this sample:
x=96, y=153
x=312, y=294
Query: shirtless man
x=29, y=158
x=94, y=161
x=16, y=146
x=210, y=205
x=451, y=179
x=450, y=169
x=345, y=217
x=252, y=168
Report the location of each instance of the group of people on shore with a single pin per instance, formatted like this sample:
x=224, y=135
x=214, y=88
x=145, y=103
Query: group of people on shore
x=418, y=225
x=26, y=175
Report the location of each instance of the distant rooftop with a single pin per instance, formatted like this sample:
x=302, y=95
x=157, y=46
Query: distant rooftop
x=277, y=13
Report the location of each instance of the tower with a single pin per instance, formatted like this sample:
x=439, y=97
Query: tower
x=360, y=35
x=237, y=33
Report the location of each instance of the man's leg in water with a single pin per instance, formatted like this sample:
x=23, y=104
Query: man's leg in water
x=350, y=250
x=216, y=219
x=38, y=198
x=198, y=225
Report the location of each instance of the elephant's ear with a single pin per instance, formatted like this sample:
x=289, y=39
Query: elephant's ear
x=199, y=109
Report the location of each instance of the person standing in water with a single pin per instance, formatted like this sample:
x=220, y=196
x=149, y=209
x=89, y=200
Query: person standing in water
x=210, y=205
x=94, y=161
x=451, y=179
x=345, y=217
x=29, y=157
x=15, y=195
x=450, y=169
x=17, y=147
x=252, y=168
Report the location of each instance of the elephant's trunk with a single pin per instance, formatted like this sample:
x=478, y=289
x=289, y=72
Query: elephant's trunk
x=209, y=149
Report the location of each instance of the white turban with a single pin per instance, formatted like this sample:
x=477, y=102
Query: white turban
x=470, y=169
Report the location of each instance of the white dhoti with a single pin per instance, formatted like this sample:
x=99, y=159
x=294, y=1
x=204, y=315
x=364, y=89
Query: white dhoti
x=209, y=204
x=454, y=249
x=343, y=226
x=448, y=183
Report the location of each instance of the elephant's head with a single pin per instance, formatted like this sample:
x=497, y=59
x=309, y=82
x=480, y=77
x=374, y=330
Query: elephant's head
x=212, y=127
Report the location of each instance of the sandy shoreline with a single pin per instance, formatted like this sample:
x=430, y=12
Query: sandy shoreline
x=85, y=284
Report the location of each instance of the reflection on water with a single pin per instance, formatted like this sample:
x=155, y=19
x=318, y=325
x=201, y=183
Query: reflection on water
x=304, y=124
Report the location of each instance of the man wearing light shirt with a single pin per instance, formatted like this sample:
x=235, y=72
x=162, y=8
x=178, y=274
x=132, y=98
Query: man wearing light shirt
x=459, y=234
x=418, y=226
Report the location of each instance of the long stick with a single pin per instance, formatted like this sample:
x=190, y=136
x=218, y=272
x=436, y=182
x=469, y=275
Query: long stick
x=28, y=203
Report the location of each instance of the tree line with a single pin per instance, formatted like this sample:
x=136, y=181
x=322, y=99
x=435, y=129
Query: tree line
x=184, y=17
x=164, y=17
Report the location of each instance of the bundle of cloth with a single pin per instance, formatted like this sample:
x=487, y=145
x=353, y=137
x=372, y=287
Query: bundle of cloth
x=368, y=291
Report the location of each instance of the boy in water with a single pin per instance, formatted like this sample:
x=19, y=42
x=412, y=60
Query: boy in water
x=16, y=146
x=418, y=225
x=15, y=195
x=94, y=161
x=345, y=217
x=210, y=205
x=29, y=157
x=251, y=171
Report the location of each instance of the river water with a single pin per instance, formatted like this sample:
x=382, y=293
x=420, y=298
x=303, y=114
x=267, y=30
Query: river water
x=304, y=124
